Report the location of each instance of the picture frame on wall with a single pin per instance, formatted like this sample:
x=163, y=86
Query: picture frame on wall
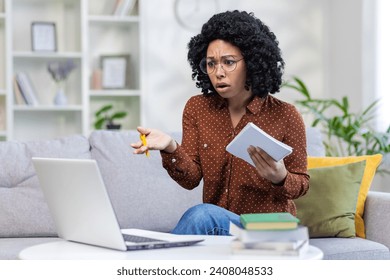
x=43, y=36
x=115, y=71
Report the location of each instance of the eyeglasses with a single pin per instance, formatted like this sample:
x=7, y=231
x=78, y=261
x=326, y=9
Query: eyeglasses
x=228, y=64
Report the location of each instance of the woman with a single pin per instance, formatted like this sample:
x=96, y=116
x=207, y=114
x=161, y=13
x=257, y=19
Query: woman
x=237, y=64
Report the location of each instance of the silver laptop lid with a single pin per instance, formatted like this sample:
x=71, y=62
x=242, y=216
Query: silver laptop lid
x=78, y=201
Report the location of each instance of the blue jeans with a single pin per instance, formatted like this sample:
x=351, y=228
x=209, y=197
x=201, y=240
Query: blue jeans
x=206, y=219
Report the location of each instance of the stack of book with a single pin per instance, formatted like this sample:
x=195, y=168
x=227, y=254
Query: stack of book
x=269, y=234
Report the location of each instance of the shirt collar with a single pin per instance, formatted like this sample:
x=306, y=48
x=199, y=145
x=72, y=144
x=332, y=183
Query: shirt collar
x=254, y=105
x=218, y=102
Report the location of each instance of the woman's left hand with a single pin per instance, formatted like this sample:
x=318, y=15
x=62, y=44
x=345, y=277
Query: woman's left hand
x=267, y=167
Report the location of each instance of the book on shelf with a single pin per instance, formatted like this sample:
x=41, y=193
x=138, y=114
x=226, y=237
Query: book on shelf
x=267, y=221
x=26, y=88
x=252, y=236
x=19, y=98
x=123, y=7
x=252, y=135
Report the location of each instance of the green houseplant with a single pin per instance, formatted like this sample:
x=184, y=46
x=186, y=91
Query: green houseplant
x=105, y=116
x=346, y=133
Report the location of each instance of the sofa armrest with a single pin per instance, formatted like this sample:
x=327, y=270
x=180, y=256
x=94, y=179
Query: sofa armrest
x=377, y=217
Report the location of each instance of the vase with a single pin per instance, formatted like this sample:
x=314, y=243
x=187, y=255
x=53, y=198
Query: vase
x=60, y=98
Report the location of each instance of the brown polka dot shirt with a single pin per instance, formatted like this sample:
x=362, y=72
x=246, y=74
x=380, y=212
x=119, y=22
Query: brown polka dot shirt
x=228, y=181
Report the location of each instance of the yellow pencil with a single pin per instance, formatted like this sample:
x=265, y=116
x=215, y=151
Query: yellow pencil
x=143, y=139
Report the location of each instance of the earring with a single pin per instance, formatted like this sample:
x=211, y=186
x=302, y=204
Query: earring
x=247, y=86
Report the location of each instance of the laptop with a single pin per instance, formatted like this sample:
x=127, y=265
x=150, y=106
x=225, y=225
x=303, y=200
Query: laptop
x=82, y=211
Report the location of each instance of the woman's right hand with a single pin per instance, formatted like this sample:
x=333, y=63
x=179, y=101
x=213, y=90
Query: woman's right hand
x=155, y=140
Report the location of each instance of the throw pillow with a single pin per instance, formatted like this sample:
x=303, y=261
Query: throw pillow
x=372, y=163
x=328, y=209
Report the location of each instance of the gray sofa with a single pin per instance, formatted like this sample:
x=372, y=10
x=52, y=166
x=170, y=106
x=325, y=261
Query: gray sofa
x=142, y=193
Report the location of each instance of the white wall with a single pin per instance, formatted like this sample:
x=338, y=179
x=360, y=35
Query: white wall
x=344, y=39
x=167, y=80
x=382, y=62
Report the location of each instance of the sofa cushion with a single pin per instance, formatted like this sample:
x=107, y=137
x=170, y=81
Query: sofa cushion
x=141, y=191
x=377, y=217
x=23, y=209
x=351, y=249
x=315, y=146
x=328, y=209
x=372, y=162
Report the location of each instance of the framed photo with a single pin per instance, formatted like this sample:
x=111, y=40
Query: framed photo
x=43, y=36
x=115, y=71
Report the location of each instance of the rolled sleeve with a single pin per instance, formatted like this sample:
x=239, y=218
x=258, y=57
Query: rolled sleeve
x=181, y=168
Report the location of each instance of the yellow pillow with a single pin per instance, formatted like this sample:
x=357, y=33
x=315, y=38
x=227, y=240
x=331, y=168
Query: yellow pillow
x=372, y=162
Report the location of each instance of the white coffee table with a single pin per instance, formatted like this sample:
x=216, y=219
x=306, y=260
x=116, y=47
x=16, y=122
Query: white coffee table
x=212, y=248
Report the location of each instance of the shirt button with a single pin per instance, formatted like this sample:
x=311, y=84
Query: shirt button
x=173, y=160
x=226, y=190
x=204, y=145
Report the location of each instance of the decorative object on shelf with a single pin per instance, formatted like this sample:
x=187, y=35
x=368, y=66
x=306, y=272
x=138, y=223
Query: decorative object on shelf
x=96, y=79
x=43, y=36
x=60, y=98
x=105, y=116
x=60, y=71
x=346, y=133
x=115, y=71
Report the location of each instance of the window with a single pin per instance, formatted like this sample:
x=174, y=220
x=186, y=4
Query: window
x=383, y=62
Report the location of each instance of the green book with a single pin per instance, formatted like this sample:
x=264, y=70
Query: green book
x=269, y=221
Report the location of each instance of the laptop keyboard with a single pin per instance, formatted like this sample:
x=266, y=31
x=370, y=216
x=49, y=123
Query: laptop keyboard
x=139, y=239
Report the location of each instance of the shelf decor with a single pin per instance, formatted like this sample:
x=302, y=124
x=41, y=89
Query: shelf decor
x=105, y=116
x=43, y=36
x=115, y=71
x=60, y=71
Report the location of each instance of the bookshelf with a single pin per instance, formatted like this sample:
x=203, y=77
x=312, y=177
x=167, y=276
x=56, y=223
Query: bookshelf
x=111, y=34
x=84, y=31
x=3, y=72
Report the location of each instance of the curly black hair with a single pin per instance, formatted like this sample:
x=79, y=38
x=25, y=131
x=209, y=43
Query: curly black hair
x=256, y=42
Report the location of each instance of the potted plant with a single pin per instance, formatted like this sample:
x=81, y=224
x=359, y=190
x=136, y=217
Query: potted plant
x=346, y=133
x=105, y=116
